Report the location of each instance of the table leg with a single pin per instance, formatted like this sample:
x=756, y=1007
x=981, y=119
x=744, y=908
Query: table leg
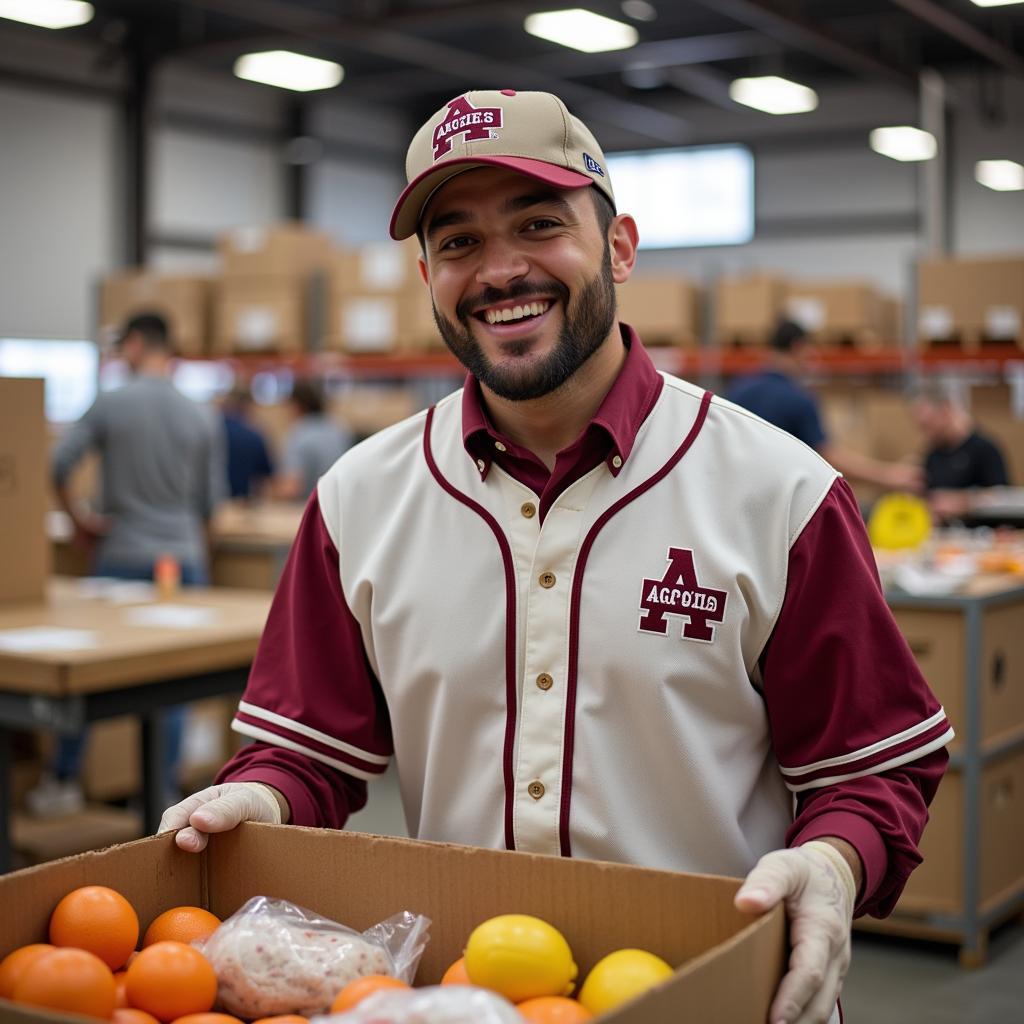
x=6, y=810
x=154, y=781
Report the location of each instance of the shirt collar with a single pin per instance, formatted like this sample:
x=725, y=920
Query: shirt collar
x=619, y=417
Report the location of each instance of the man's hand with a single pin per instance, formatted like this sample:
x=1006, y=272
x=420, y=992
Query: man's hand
x=818, y=886
x=89, y=528
x=219, y=809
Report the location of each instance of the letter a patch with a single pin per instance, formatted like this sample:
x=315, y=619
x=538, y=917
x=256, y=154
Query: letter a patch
x=679, y=593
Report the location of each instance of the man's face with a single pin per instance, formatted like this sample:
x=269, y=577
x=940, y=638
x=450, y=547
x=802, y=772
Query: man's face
x=932, y=419
x=520, y=278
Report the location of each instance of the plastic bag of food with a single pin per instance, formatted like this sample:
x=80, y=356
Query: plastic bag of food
x=437, y=1004
x=274, y=957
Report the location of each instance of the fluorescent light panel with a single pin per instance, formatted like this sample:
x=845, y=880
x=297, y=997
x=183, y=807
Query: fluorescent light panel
x=901, y=142
x=581, y=30
x=289, y=70
x=1001, y=175
x=996, y=3
x=773, y=95
x=47, y=13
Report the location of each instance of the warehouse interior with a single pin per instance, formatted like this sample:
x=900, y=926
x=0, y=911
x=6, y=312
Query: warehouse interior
x=142, y=172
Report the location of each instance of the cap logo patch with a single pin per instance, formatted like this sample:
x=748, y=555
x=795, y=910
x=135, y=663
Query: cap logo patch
x=592, y=165
x=462, y=118
x=679, y=593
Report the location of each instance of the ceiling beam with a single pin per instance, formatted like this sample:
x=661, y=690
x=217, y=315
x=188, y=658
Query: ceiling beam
x=803, y=35
x=964, y=33
x=596, y=105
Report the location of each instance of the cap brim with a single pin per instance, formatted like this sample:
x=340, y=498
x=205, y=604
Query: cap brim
x=406, y=216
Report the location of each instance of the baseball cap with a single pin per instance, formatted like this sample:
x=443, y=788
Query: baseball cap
x=529, y=132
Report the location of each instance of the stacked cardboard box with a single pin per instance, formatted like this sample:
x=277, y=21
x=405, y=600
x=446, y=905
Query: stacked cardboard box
x=838, y=312
x=728, y=965
x=377, y=302
x=747, y=308
x=263, y=296
x=24, y=491
x=184, y=301
x=664, y=309
x=971, y=301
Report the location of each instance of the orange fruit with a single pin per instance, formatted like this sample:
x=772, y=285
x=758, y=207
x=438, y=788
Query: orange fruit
x=356, y=991
x=283, y=1018
x=170, y=980
x=13, y=965
x=96, y=919
x=130, y=1015
x=181, y=924
x=121, y=993
x=456, y=974
x=68, y=979
x=207, y=1018
x=553, y=1010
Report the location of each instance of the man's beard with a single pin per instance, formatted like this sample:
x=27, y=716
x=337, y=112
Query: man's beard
x=588, y=321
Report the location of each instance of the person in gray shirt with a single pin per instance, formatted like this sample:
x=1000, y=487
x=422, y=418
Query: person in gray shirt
x=314, y=443
x=163, y=471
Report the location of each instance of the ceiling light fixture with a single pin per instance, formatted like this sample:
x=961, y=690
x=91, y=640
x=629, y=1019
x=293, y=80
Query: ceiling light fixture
x=773, y=95
x=289, y=70
x=1001, y=175
x=582, y=30
x=901, y=142
x=996, y=3
x=47, y=13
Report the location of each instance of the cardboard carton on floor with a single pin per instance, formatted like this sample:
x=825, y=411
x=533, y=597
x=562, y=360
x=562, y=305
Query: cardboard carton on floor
x=729, y=965
x=24, y=490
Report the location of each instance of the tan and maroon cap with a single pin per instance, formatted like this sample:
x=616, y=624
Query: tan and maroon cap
x=529, y=132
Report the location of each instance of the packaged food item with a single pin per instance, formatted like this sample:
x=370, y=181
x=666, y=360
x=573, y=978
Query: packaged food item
x=436, y=1004
x=273, y=957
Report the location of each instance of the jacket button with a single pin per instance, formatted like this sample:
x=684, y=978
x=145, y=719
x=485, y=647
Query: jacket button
x=546, y=580
x=535, y=789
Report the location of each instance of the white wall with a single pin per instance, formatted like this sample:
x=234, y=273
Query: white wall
x=59, y=211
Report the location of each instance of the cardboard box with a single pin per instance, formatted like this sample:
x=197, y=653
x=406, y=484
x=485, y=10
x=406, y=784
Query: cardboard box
x=184, y=301
x=377, y=301
x=971, y=301
x=747, y=309
x=729, y=965
x=837, y=312
x=661, y=307
x=260, y=313
x=289, y=249
x=24, y=490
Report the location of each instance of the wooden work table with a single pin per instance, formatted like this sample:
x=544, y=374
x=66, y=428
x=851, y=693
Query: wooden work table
x=93, y=651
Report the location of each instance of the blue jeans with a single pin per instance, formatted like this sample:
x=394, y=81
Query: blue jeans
x=70, y=746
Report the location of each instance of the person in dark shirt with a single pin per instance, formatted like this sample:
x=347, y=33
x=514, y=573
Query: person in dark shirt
x=249, y=464
x=959, y=459
x=776, y=395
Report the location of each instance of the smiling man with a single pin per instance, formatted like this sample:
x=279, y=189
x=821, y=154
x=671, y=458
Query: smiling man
x=591, y=609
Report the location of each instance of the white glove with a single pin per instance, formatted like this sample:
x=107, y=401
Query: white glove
x=819, y=892
x=218, y=809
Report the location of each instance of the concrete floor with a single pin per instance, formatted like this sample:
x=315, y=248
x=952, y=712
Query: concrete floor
x=891, y=981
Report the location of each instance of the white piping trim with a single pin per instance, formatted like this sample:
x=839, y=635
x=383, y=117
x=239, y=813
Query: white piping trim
x=278, y=741
x=314, y=734
x=858, y=755
x=877, y=769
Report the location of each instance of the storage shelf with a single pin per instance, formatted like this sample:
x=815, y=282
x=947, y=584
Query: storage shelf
x=680, y=361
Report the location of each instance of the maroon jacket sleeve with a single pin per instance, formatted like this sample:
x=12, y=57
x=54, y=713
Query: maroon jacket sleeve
x=312, y=701
x=858, y=734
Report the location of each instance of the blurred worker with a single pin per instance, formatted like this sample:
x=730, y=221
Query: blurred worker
x=775, y=395
x=249, y=466
x=314, y=443
x=958, y=459
x=162, y=473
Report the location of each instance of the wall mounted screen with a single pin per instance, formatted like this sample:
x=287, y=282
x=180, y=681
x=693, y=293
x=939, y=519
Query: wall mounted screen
x=701, y=195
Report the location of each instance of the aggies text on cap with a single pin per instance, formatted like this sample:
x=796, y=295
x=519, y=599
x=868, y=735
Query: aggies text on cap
x=529, y=132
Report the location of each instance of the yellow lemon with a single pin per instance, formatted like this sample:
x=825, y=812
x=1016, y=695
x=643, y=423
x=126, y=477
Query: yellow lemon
x=520, y=957
x=619, y=977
